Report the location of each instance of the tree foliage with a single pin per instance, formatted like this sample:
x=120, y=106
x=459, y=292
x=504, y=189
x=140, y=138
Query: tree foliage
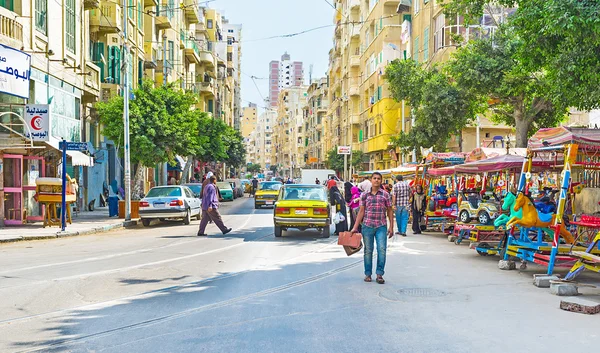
x=558, y=37
x=492, y=70
x=335, y=161
x=253, y=168
x=440, y=107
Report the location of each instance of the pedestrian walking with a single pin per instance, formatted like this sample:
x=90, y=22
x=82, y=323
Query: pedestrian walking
x=354, y=205
x=418, y=204
x=365, y=185
x=401, y=199
x=337, y=200
x=254, y=186
x=375, y=206
x=348, y=191
x=331, y=182
x=317, y=181
x=210, y=207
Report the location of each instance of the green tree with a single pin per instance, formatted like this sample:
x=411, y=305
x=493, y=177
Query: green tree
x=440, y=107
x=335, y=161
x=253, y=168
x=161, y=125
x=492, y=70
x=559, y=38
x=234, y=148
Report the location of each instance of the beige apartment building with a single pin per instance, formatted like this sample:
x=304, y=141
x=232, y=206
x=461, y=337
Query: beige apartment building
x=317, y=104
x=288, y=132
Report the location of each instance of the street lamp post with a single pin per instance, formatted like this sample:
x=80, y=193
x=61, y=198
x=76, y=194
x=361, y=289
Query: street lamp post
x=127, y=157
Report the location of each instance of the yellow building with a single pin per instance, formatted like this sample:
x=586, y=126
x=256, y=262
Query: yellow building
x=288, y=133
x=248, y=123
x=317, y=104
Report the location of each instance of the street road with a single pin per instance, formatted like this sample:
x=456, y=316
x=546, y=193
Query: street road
x=163, y=289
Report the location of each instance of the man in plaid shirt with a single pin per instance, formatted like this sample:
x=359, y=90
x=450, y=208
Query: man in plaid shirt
x=375, y=206
x=401, y=200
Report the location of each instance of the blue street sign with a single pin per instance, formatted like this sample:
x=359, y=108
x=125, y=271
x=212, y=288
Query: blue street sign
x=75, y=146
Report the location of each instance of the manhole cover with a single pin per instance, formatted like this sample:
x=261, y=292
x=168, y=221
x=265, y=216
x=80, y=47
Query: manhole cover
x=414, y=293
x=421, y=292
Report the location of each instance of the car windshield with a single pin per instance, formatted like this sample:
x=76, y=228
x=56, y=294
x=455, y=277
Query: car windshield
x=271, y=186
x=304, y=193
x=164, y=192
x=223, y=185
x=196, y=189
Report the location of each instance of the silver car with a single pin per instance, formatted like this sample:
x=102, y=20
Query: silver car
x=173, y=201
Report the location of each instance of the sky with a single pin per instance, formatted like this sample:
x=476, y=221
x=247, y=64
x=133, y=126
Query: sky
x=266, y=18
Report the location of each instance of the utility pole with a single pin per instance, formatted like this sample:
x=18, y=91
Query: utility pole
x=127, y=163
x=164, y=167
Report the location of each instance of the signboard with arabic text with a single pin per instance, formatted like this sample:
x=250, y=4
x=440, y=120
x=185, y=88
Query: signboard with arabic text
x=15, y=67
x=344, y=150
x=37, y=118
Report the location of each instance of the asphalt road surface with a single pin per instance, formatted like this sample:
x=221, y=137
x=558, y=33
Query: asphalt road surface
x=163, y=289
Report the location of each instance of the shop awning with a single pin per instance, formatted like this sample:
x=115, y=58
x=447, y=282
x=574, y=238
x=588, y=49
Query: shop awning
x=77, y=158
x=556, y=136
x=442, y=171
x=481, y=153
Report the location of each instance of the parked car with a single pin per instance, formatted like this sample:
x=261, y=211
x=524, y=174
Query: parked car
x=196, y=188
x=302, y=207
x=167, y=202
x=266, y=194
x=226, y=190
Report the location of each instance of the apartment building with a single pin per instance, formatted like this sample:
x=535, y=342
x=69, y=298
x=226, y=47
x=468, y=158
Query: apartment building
x=288, y=133
x=249, y=119
x=283, y=74
x=263, y=140
x=315, y=113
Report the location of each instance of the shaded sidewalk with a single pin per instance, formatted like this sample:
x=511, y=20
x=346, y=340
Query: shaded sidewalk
x=96, y=221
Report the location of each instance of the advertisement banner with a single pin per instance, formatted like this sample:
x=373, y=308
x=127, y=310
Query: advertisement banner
x=344, y=150
x=15, y=67
x=37, y=118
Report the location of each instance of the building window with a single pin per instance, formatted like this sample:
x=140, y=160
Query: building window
x=415, y=54
x=229, y=40
x=426, y=44
x=7, y=4
x=140, y=15
x=229, y=56
x=171, y=9
x=130, y=9
x=438, y=36
x=209, y=24
x=171, y=51
x=417, y=6
x=41, y=15
x=70, y=25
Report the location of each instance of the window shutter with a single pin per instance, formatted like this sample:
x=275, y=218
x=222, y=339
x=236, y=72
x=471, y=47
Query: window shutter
x=117, y=65
x=98, y=54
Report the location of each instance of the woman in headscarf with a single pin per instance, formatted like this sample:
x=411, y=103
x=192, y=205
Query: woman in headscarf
x=336, y=199
x=354, y=204
x=418, y=206
x=348, y=191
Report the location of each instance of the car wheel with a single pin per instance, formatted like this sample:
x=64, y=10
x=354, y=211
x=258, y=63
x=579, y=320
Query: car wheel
x=484, y=217
x=325, y=232
x=146, y=222
x=278, y=231
x=464, y=216
x=256, y=206
x=199, y=216
x=188, y=217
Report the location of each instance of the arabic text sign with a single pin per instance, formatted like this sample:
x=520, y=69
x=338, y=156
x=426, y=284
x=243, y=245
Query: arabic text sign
x=15, y=68
x=344, y=150
x=37, y=118
x=75, y=146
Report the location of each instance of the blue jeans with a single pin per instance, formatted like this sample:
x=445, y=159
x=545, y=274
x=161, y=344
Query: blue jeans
x=371, y=234
x=402, y=214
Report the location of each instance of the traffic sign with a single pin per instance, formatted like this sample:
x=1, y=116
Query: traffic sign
x=344, y=150
x=75, y=146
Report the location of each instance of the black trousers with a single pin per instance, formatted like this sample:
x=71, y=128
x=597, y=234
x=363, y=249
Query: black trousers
x=416, y=223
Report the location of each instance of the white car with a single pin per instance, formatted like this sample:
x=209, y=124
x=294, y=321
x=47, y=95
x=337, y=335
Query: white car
x=173, y=201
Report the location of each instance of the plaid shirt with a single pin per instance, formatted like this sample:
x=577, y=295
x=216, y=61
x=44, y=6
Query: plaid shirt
x=375, y=208
x=402, y=193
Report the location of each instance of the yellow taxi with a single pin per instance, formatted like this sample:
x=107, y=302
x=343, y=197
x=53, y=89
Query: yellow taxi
x=302, y=207
x=266, y=194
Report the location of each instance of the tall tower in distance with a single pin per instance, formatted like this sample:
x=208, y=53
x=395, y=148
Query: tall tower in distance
x=283, y=74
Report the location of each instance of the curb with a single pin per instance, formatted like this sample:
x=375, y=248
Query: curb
x=59, y=234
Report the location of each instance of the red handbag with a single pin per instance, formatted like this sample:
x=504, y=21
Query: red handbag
x=353, y=240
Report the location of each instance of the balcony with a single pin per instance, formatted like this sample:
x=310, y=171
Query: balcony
x=163, y=21
x=91, y=4
x=354, y=60
x=354, y=89
x=150, y=3
x=355, y=119
x=207, y=87
x=162, y=64
x=191, y=11
x=107, y=19
x=11, y=31
x=200, y=26
x=150, y=55
x=191, y=51
x=91, y=92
